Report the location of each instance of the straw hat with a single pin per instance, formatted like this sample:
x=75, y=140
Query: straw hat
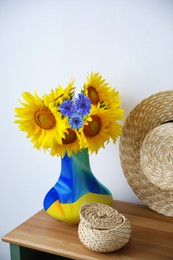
x=146, y=151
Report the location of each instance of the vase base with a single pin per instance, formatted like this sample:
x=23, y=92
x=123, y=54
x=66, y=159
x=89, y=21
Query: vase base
x=70, y=212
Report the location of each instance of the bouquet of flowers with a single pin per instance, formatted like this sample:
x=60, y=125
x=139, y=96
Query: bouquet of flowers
x=61, y=122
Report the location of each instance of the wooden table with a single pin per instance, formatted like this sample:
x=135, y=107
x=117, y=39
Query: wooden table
x=42, y=237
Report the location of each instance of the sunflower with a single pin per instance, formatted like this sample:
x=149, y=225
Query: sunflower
x=59, y=94
x=43, y=124
x=112, y=101
x=114, y=128
x=70, y=144
x=95, y=88
x=64, y=124
x=95, y=131
x=100, y=92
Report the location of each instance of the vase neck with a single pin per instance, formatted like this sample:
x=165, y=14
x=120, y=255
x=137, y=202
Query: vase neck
x=82, y=156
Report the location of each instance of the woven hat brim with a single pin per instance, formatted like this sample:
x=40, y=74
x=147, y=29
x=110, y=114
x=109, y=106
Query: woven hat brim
x=150, y=113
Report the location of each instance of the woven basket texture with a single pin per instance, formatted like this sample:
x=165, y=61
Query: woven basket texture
x=102, y=228
x=156, y=156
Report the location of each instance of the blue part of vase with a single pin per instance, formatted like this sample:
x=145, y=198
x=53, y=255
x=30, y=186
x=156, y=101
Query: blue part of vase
x=76, y=180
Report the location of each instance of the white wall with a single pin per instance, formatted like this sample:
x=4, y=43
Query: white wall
x=44, y=43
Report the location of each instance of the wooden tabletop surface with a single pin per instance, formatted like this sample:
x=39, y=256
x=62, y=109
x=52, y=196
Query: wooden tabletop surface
x=151, y=238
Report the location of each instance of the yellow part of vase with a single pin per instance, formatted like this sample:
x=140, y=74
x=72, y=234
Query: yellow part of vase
x=70, y=212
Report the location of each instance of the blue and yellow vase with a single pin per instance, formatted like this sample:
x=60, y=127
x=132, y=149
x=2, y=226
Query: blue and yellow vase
x=76, y=186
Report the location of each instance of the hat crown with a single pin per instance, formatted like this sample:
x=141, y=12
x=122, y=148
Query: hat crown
x=156, y=156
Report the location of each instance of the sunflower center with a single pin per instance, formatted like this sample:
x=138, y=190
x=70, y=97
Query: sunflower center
x=93, y=127
x=44, y=118
x=93, y=95
x=70, y=137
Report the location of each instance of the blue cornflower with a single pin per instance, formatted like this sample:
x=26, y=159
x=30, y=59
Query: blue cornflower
x=83, y=104
x=76, y=121
x=67, y=108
